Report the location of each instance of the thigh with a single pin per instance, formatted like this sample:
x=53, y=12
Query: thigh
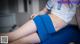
x=57, y=22
x=26, y=29
x=33, y=38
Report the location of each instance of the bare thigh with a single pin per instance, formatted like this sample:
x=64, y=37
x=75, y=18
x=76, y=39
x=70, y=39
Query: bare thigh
x=33, y=38
x=57, y=22
x=25, y=30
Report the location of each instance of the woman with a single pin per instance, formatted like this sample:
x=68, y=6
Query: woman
x=38, y=29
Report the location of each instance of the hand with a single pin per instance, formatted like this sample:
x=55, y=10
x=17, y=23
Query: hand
x=33, y=15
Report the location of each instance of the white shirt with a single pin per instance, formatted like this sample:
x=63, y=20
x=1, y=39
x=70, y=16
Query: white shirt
x=60, y=10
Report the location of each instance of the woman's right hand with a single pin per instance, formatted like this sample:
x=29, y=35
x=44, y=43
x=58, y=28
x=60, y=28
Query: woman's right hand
x=42, y=12
x=33, y=15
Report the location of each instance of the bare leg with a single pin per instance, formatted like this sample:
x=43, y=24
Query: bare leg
x=33, y=38
x=26, y=29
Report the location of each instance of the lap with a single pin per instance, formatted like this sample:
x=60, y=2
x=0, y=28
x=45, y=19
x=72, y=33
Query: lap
x=67, y=32
x=42, y=33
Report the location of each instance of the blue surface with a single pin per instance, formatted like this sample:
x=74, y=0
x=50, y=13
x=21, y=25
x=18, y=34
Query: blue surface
x=68, y=34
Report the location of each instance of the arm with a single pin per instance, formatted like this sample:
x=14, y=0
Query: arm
x=42, y=12
x=48, y=7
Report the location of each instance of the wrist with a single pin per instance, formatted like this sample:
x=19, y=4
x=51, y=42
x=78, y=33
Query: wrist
x=42, y=13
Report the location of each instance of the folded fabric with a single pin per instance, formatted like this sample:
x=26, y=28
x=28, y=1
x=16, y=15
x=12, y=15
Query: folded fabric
x=44, y=26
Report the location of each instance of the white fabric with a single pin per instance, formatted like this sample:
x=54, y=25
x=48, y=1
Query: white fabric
x=65, y=13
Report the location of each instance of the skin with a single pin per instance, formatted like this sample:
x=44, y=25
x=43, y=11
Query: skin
x=33, y=38
x=26, y=34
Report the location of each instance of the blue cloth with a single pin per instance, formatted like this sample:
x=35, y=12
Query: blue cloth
x=66, y=35
x=44, y=26
x=47, y=34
